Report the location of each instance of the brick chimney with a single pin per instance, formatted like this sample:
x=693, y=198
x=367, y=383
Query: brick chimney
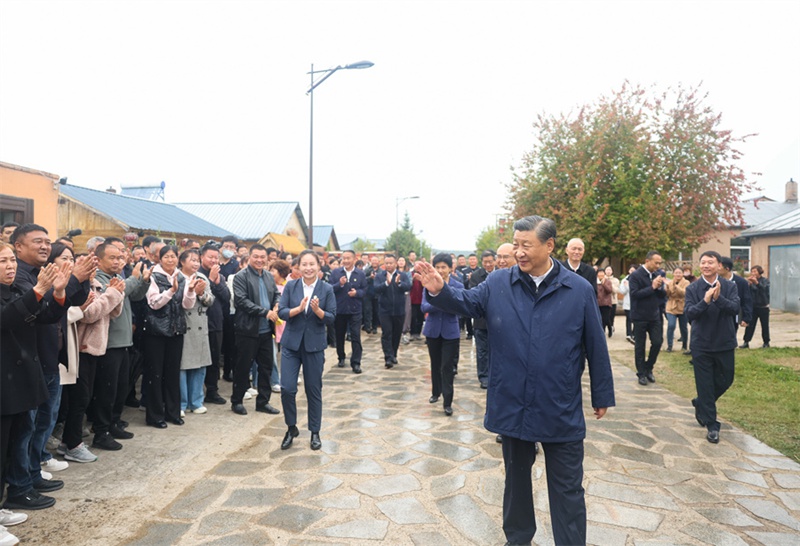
x=111, y=189
x=791, y=191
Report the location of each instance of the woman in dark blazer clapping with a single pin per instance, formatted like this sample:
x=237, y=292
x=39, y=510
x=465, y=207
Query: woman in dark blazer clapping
x=307, y=306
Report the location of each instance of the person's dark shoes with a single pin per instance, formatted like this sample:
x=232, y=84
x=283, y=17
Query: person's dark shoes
x=227, y=377
x=215, y=398
x=433, y=399
x=469, y=337
x=389, y=363
x=696, y=416
x=119, y=434
x=499, y=438
x=394, y=360
x=291, y=434
x=316, y=443
x=484, y=384
x=669, y=349
x=744, y=345
x=448, y=411
x=765, y=346
x=177, y=421
x=356, y=368
x=651, y=378
x=157, y=424
x=238, y=409
x=32, y=500
x=105, y=441
x=121, y=424
x=687, y=352
x=132, y=402
x=266, y=408
x=341, y=363
x=45, y=486
x=642, y=380
x=713, y=436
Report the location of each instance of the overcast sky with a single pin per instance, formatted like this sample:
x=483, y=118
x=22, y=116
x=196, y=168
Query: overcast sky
x=210, y=96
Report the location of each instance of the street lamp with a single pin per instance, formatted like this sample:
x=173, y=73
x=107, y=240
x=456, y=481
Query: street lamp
x=328, y=73
x=397, y=201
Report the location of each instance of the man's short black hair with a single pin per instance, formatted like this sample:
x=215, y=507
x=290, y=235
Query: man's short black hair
x=712, y=254
x=208, y=247
x=727, y=263
x=10, y=224
x=544, y=228
x=389, y=255
x=100, y=250
x=443, y=257
x=230, y=239
x=258, y=247
x=487, y=253
x=473, y=255
x=149, y=240
x=271, y=249
x=651, y=254
x=24, y=229
x=114, y=240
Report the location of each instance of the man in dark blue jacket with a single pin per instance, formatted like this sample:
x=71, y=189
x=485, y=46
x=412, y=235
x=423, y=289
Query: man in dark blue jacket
x=349, y=286
x=391, y=286
x=745, y=315
x=209, y=266
x=543, y=324
x=646, y=288
x=711, y=306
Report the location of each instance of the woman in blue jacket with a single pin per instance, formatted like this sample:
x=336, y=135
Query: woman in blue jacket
x=307, y=306
x=442, y=337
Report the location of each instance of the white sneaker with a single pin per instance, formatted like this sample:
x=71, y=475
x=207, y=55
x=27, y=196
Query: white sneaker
x=54, y=465
x=253, y=391
x=9, y=518
x=247, y=396
x=276, y=388
x=80, y=454
x=46, y=475
x=6, y=538
x=183, y=413
x=201, y=409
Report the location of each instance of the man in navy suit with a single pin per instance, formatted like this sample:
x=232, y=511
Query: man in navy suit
x=391, y=286
x=349, y=286
x=307, y=306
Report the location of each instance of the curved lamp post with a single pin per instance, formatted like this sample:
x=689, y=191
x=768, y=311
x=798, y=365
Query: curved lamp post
x=328, y=73
x=397, y=201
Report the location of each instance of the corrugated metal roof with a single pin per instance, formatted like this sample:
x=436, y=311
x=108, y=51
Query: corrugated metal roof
x=152, y=193
x=142, y=213
x=760, y=211
x=248, y=220
x=785, y=223
x=323, y=234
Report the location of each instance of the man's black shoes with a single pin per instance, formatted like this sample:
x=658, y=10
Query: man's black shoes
x=32, y=500
x=651, y=378
x=341, y=363
x=316, y=443
x=215, y=398
x=266, y=408
x=46, y=486
x=356, y=368
x=238, y=409
x=713, y=436
x=642, y=380
x=119, y=434
x=291, y=434
x=107, y=442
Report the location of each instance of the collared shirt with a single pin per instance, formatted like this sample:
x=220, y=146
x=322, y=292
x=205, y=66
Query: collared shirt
x=716, y=279
x=538, y=280
x=348, y=273
x=308, y=290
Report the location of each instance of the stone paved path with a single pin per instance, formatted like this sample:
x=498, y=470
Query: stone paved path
x=394, y=469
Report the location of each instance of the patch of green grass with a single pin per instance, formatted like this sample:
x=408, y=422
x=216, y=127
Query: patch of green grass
x=764, y=399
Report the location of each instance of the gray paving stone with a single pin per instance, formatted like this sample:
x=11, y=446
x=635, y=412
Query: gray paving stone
x=376, y=414
x=603, y=536
x=693, y=494
x=650, y=499
x=358, y=424
x=403, y=439
x=694, y=466
x=470, y=519
x=320, y=486
x=429, y=539
x=255, y=496
x=429, y=466
x=293, y=479
x=712, y=535
x=636, y=454
x=390, y=485
x=479, y=465
x=733, y=488
x=255, y=537
x=621, y=516
x=750, y=445
x=616, y=477
x=414, y=424
x=355, y=466
x=367, y=450
x=660, y=541
x=787, y=481
x=346, y=502
x=222, y=522
x=669, y=435
x=774, y=539
x=790, y=499
x=728, y=516
x=779, y=463
x=445, y=450
x=309, y=542
x=161, y=533
x=466, y=437
x=405, y=511
x=373, y=529
x=237, y=468
x=197, y=499
x=304, y=462
x=292, y=517
x=636, y=438
x=402, y=457
x=770, y=511
x=447, y=485
x=750, y=478
x=491, y=489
